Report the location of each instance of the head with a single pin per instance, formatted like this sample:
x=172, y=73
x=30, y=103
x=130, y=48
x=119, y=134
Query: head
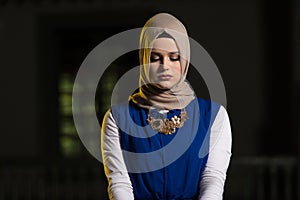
x=164, y=52
x=164, y=59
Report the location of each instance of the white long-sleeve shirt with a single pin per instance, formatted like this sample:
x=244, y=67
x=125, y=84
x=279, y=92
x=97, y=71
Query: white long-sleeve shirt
x=213, y=177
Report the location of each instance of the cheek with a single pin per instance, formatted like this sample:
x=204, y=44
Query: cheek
x=177, y=68
x=152, y=71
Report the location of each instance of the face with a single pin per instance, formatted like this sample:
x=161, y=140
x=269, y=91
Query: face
x=165, y=66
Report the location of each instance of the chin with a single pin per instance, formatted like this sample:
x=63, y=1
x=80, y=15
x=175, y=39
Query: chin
x=165, y=86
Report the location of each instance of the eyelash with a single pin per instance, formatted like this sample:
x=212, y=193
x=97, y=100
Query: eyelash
x=175, y=59
x=155, y=59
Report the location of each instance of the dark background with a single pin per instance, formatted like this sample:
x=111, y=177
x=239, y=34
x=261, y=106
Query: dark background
x=255, y=44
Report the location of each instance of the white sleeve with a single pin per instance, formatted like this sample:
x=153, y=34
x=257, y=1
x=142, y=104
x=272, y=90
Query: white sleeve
x=214, y=174
x=119, y=184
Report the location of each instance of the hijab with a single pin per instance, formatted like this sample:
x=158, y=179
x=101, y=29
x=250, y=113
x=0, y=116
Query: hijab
x=149, y=95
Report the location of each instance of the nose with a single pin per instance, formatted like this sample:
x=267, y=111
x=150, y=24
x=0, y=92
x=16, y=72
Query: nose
x=165, y=62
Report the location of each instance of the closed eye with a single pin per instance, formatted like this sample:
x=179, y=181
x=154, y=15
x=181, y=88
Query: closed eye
x=175, y=58
x=154, y=59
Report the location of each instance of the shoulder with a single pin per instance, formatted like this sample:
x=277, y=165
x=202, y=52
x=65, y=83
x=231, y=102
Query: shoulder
x=117, y=109
x=216, y=112
x=208, y=106
x=126, y=109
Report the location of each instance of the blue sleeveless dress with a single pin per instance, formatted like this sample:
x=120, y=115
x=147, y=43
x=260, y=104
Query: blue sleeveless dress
x=165, y=166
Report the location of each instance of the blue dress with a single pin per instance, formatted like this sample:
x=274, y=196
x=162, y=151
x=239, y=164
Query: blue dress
x=165, y=166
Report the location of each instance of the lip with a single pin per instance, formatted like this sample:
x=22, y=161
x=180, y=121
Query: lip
x=165, y=77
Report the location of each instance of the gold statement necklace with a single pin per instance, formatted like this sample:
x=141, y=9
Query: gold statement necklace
x=167, y=126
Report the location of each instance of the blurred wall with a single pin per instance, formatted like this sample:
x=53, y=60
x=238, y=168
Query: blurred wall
x=236, y=34
x=19, y=135
x=255, y=45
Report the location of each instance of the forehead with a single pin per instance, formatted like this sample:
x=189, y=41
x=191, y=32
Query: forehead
x=164, y=44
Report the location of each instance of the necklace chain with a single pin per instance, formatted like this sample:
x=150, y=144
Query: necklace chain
x=168, y=126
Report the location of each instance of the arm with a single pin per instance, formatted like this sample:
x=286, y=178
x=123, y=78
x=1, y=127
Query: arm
x=119, y=185
x=214, y=174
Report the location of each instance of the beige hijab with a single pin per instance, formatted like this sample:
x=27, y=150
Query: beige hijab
x=149, y=95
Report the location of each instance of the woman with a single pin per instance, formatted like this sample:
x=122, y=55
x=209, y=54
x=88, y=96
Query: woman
x=178, y=146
